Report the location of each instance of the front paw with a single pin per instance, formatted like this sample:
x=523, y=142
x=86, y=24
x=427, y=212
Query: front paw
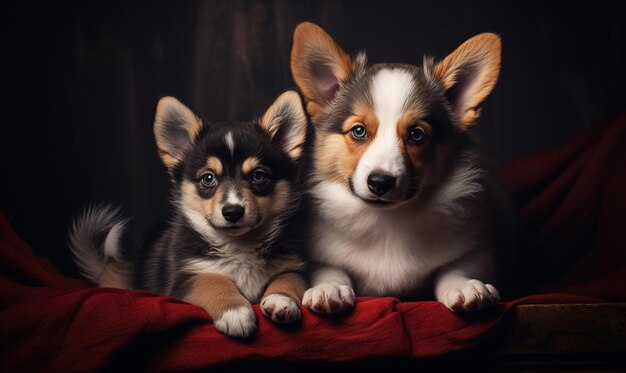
x=471, y=295
x=280, y=308
x=327, y=298
x=237, y=322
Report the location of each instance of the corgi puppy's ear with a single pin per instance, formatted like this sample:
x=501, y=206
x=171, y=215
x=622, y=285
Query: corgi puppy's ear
x=175, y=130
x=319, y=66
x=286, y=123
x=469, y=74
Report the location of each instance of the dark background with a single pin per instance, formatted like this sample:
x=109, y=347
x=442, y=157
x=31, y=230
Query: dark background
x=81, y=79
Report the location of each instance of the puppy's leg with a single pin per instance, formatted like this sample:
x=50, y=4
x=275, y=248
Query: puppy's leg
x=231, y=312
x=115, y=275
x=462, y=286
x=331, y=292
x=282, y=299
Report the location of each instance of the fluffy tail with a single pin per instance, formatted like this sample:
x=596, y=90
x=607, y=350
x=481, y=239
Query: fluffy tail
x=95, y=237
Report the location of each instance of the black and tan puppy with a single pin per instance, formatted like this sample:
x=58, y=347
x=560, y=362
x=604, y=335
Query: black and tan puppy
x=230, y=241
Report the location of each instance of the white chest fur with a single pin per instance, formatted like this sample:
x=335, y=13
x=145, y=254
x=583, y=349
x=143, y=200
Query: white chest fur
x=387, y=255
x=393, y=262
x=248, y=270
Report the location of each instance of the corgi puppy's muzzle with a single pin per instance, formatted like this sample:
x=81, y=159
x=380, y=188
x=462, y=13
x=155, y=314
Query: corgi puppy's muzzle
x=399, y=191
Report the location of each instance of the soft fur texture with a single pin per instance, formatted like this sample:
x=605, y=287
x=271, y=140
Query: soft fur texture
x=232, y=239
x=404, y=204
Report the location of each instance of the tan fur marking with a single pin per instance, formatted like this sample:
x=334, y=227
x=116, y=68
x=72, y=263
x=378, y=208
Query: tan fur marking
x=249, y=164
x=215, y=293
x=190, y=197
x=313, y=46
x=415, y=153
x=410, y=119
x=213, y=206
x=333, y=159
x=270, y=206
x=289, y=284
x=337, y=156
x=481, y=53
x=193, y=201
x=115, y=275
x=362, y=113
x=254, y=203
x=279, y=198
x=214, y=164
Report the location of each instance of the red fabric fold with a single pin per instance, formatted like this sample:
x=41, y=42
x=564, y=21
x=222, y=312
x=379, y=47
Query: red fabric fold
x=573, y=211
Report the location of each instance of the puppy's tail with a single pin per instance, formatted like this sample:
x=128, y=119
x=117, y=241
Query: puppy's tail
x=96, y=241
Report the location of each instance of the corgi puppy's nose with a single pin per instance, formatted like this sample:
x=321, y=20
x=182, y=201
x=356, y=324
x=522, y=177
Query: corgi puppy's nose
x=232, y=212
x=380, y=184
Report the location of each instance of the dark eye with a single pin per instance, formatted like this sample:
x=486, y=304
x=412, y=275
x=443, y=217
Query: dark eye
x=359, y=132
x=258, y=177
x=209, y=179
x=417, y=136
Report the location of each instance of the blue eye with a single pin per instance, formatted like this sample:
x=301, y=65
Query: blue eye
x=209, y=179
x=359, y=132
x=258, y=177
x=417, y=135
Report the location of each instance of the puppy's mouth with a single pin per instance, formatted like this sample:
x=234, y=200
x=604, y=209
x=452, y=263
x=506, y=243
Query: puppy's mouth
x=378, y=202
x=233, y=229
x=238, y=228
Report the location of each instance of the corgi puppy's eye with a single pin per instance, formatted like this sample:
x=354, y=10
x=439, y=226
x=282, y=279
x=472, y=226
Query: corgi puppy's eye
x=208, y=179
x=359, y=132
x=260, y=181
x=258, y=177
x=416, y=136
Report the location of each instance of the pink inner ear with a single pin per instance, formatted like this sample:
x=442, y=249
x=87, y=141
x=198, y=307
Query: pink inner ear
x=281, y=137
x=457, y=94
x=326, y=81
x=178, y=139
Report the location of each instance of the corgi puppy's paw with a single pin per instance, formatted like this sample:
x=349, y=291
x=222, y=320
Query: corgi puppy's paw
x=237, y=322
x=473, y=295
x=328, y=298
x=281, y=309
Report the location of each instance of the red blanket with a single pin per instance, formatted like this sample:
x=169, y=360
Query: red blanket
x=572, y=201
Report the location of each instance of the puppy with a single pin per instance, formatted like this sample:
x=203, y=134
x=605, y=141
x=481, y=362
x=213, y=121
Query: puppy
x=403, y=202
x=231, y=240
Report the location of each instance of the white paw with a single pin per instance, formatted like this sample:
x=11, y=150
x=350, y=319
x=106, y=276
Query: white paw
x=281, y=309
x=237, y=322
x=326, y=298
x=471, y=295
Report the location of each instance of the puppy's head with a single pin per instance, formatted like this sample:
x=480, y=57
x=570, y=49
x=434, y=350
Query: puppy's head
x=387, y=131
x=231, y=178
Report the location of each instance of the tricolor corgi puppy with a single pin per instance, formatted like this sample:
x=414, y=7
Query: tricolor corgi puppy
x=231, y=240
x=403, y=202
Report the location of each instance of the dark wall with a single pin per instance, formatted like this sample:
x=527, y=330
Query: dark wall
x=81, y=80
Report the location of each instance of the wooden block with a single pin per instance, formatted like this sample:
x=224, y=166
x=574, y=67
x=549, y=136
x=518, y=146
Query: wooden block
x=556, y=329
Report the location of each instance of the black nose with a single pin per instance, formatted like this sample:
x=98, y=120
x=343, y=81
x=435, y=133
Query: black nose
x=232, y=213
x=380, y=184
